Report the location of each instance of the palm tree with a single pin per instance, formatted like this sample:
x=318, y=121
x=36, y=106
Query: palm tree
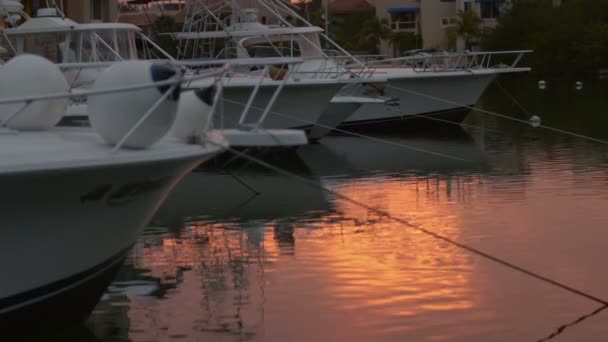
x=372, y=31
x=468, y=26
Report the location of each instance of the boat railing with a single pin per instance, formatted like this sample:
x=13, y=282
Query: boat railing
x=209, y=68
x=272, y=68
x=171, y=84
x=458, y=61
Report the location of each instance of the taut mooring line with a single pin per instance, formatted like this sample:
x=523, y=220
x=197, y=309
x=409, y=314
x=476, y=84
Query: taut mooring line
x=582, y=136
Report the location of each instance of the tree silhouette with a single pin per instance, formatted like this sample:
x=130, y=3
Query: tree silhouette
x=468, y=26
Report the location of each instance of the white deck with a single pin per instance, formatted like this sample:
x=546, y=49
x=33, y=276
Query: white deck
x=72, y=148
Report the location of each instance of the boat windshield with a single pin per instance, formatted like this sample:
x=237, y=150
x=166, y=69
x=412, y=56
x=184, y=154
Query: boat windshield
x=297, y=45
x=279, y=49
x=44, y=44
x=78, y=46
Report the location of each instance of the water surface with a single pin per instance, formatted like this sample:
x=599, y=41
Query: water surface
x=295, y=263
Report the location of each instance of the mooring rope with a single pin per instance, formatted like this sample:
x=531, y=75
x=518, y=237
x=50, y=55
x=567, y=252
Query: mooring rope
x=506, y=92
x=582, y=136
x=359, y=135
x=560, y=330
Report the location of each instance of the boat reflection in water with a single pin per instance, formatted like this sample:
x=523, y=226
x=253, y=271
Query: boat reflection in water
x=238, y=190
x=294, y=252
x=444, y=152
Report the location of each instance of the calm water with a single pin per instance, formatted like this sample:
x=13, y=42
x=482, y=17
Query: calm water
x=294, y=263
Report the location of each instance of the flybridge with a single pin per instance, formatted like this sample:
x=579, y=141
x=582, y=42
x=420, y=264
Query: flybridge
x=62, y=40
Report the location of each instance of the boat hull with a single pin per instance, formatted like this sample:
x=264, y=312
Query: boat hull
x=300, y=105
x=444, y=118
x=63, y=250
x=451, y=97
x=80, y=298
x=335, y=116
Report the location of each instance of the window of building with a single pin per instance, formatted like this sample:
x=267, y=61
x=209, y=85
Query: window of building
x=468, y=6
x=489, y=10
x=403, y=21
x=448, y=21
x=96, y=10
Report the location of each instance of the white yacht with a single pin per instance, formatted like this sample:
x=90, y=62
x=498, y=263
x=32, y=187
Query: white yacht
x=436, y=87
x=76, y=198
x=84, y=49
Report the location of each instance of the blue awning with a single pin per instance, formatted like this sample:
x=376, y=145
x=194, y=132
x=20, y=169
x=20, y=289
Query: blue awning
x=489, y=1
x=395, y=10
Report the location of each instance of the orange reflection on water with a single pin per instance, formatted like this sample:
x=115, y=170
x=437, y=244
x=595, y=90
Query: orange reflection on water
x=358, y=267
x=378, y=264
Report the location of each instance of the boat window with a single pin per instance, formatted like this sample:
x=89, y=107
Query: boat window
x=47, y=45
x=100, y=47
x=124, y=45
x=276, y=49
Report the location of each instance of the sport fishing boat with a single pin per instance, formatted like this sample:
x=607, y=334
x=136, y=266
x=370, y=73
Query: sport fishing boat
x=85, y=49
x=75, y=199
x=430, y=88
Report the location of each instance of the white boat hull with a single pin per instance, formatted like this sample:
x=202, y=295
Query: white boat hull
x=336, y=114
x=65, y=233
x=298, y=106
x=457, y=92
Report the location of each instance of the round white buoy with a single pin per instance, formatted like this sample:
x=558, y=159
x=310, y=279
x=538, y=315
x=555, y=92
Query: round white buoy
x=542, y=85
x=535, y=121
x=113, y=115
x=579, y=85
x=192, y=113
x=30, y=75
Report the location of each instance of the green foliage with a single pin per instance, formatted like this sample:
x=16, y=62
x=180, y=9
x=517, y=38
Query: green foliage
x=468, y=26
x=166, y=24
x=360, y=32
x=370, y=33
x=567, y=40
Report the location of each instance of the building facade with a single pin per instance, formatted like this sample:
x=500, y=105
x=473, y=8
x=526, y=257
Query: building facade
x=145, y=15
x=82, y=11
x=432, y=19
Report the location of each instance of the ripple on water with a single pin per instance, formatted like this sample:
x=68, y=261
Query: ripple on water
x=343, y=272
